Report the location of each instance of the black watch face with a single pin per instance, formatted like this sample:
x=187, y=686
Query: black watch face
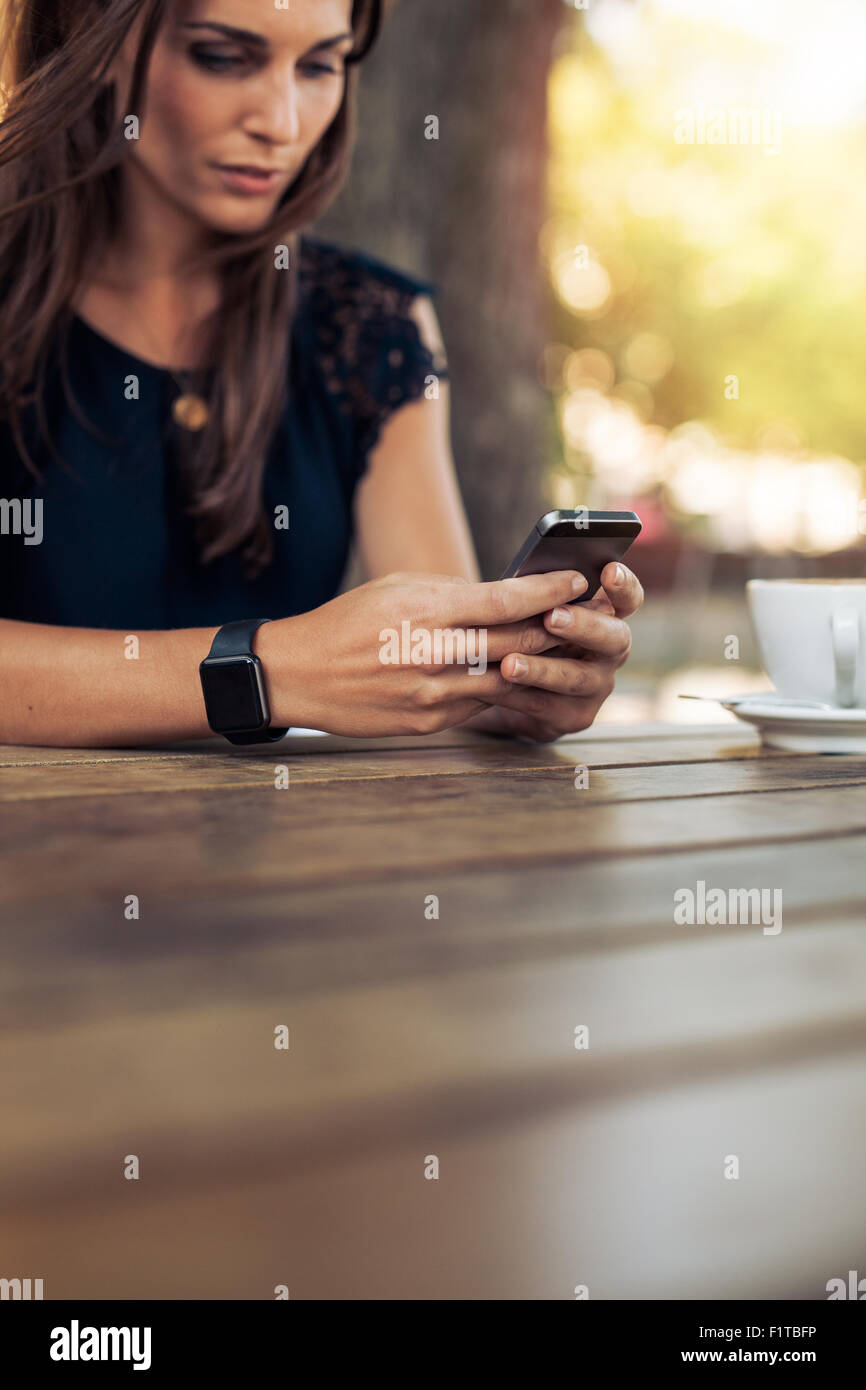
x=233, y=699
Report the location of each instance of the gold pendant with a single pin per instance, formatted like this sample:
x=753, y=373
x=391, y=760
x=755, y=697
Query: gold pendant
x=191, y=412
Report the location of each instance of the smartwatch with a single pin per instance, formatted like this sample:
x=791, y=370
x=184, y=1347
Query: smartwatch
x=233, y=685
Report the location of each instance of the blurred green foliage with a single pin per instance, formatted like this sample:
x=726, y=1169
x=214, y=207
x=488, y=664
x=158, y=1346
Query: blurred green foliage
x=745, y=261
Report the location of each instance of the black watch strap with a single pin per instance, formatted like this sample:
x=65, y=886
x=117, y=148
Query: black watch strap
x=236, y=639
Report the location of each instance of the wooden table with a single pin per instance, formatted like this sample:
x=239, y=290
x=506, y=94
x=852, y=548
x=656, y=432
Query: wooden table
x=413, y=1036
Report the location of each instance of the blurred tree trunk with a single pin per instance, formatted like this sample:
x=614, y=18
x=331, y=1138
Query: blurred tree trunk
x=465, y=211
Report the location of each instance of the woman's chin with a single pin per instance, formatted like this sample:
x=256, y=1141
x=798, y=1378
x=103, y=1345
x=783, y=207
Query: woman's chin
x=230, y=215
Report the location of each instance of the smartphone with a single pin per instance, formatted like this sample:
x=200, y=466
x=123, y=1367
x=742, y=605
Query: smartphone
x=576, y=540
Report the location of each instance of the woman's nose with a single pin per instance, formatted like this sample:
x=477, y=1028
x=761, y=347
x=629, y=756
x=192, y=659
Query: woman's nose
x=276, y=114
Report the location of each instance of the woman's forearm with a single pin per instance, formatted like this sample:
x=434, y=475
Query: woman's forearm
x=86, y=687
x=335, y=667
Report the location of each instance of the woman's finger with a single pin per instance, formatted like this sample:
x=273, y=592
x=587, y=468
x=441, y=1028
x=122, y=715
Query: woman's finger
x=579, y=626
x=623, y=588
x=528, y=638
x=586, y=680
x=468, y=649
x=549, y=708
x=512, y=600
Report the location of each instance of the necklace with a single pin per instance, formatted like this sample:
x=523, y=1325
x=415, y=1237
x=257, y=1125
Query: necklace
x=190, y=410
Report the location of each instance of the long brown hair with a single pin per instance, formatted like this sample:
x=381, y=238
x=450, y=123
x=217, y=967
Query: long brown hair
x=62, y=143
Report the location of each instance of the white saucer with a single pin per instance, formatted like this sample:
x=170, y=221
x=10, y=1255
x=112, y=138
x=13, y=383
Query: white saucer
x=806, y=727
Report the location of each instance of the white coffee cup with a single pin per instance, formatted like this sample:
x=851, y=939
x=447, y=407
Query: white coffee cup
x=811, y=637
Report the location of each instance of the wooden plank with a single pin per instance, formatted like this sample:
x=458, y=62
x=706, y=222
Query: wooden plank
x=625, y=1197
x=194, y=946
x=417, y=827
x=189, y=768
x=22, y=755
x=121, y=777
x=483, y=1043
x=611, y=1160
x=162, y=774
x=15, y=755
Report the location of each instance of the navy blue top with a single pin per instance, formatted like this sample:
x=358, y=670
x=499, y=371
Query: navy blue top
x=118, y=549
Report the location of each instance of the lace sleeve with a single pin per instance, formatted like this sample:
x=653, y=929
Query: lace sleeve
x=368, y=346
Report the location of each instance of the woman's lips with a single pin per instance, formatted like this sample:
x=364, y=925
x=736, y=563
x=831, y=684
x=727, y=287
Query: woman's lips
x=245, y=180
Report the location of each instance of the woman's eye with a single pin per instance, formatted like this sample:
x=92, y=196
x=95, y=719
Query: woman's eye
x=222, y=62
x=319, y=69
x=215, y=62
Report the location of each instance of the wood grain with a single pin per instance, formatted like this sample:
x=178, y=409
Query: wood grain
x=382, y=830
x=413, y=1035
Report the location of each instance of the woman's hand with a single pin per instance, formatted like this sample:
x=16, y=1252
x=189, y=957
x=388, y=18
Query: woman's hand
x=562, y=691
x=325, y=669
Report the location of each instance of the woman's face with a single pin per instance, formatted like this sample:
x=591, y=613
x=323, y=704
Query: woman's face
x=238, y=83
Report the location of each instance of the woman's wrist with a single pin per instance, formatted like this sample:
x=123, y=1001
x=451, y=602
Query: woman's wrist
x=290, y=688
x=180, y=650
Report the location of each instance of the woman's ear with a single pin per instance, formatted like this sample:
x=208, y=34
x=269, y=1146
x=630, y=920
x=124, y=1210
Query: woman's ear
x=111, y=75
x=118, y=74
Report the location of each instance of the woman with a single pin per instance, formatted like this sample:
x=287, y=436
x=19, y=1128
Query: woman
x=202, y=404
